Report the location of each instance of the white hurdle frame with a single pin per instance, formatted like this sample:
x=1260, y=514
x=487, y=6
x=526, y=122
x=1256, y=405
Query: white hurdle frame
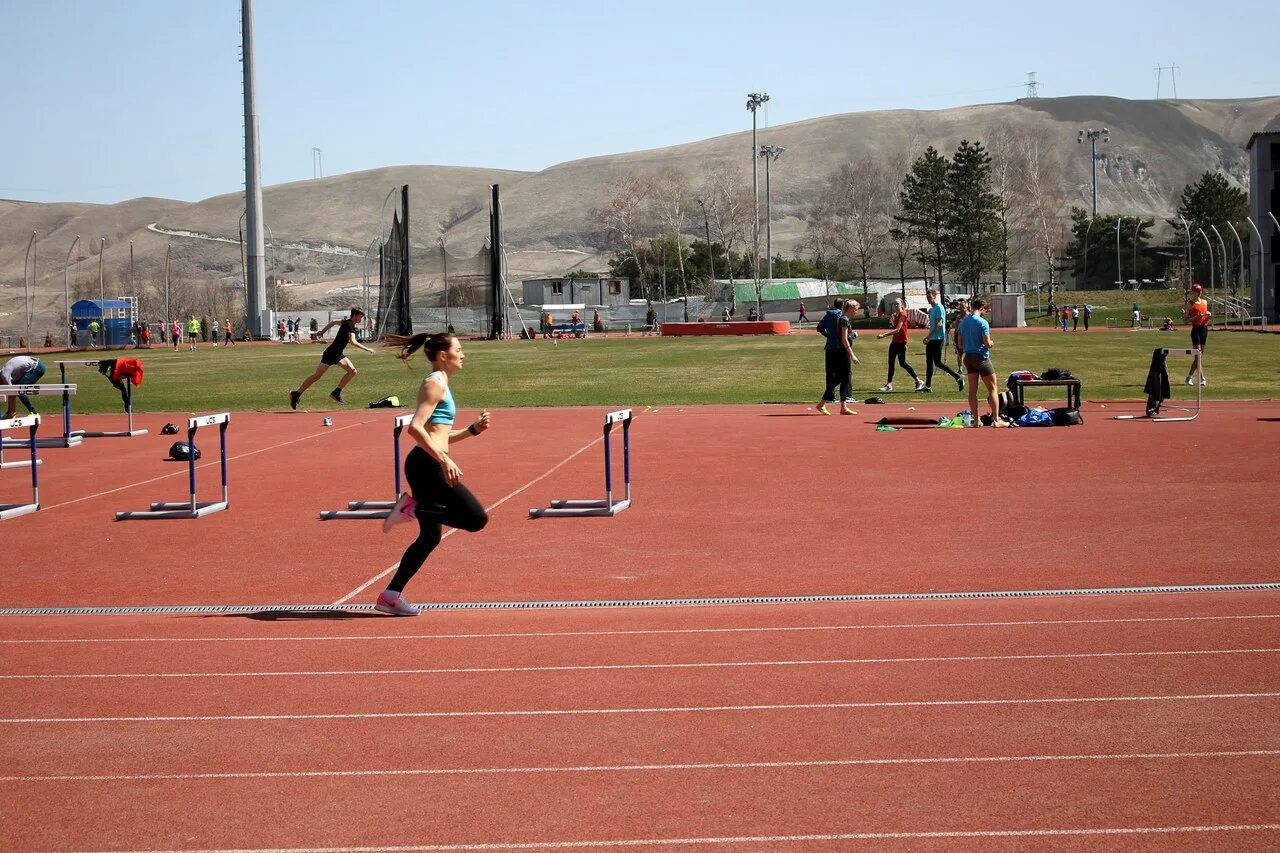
x=68, y=432
x=67, y=392
x=192, y=508
x=376, y=509
x=1195, y=413
x=608, y=506
x=31, y=422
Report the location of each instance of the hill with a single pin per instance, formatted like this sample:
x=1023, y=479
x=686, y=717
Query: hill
x=321, y=228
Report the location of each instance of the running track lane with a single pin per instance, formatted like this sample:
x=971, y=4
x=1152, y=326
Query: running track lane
x=1149, y=747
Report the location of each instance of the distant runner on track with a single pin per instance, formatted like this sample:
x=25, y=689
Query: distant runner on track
x=438, y=496
x=333, y=355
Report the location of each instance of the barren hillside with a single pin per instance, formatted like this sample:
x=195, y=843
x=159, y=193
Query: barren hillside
x=321, y=228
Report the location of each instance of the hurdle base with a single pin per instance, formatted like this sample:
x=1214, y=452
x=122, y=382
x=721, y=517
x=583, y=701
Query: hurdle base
x=60, y=441
x=15, y=510
x=128, y=433
x=330, y=514
x=580, y=509
x=173, y=509
x=24, y=463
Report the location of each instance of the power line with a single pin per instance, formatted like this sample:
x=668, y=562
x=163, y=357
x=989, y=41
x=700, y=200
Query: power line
x=317, y=163
x=1033, y=88
x=1173, y=75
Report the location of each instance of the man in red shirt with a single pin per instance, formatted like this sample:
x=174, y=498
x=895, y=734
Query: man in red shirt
x=898, y=346
x=1198, y=315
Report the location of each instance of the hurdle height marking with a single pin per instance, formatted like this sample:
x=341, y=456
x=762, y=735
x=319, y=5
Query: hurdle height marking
x=32, y=423
x=606, y=507
x=377, y=509
x=192, y=508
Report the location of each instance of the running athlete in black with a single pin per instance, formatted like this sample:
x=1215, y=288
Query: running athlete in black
x=438, y=496
x=333, y=355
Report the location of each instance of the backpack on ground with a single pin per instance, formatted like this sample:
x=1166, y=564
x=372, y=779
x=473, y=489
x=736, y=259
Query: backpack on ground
x=182, y=451
x=1066, y=417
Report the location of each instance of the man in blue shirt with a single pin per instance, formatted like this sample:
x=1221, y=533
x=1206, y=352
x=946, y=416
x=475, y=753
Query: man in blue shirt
x=839, y=355
x=975, y=336
x=934, y=343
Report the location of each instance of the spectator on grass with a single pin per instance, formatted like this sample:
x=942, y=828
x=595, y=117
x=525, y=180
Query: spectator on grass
x=1066, y=316
x=1198, y=316
x=145, y=338
x=839, y=357
x=213, y=328
x=226, y=327
x=976, y=334
x=962, y=311
x=724, y=315
x=935, y=341
x=1137, y=316
x=1087, y=312
x=804, y=318
x=93, y=333
x=193, y=332
x=71, y=328
x=898, y=346
x=651, y=320
x=280, y=329
x=175, y=333
x=753, y=315
x=1075, y=318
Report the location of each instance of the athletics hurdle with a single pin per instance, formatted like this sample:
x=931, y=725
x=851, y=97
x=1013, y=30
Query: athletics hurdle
x=192, y=508
x=68, y=432
x=1153, y=412
x=376, y=509
x=31, y=422
x=67, y=391
x=606, y=507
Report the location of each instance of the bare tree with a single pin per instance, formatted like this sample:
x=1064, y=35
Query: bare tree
x=627, y=220
x=729, y=204
x=1046, y=201
x=856, y=204
x=671, y=200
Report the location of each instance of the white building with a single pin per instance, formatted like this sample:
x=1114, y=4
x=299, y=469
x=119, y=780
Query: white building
x=600, y=292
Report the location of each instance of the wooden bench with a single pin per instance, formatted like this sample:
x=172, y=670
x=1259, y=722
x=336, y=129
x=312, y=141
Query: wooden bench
x=1072, y=386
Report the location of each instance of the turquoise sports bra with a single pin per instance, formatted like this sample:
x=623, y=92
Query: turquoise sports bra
x=445, y=409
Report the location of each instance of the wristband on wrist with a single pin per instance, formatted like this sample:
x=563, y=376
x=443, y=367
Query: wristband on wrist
x=472, y=429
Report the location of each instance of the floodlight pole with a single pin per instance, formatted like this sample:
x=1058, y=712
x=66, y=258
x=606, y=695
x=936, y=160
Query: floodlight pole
x=168, y=251
x=444, y=273
x=102, y=293
x=769, y=153
x=32, y=246
x=255, y=279
x=1085, y=274
x=754, y=101
x=1119, y=271
x=66, y=288
x=1093, y=136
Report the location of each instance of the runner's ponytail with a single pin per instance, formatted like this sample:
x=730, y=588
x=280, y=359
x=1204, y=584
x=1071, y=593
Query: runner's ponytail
x=431, y=344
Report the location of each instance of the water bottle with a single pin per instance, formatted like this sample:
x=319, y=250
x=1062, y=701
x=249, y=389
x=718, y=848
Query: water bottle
x=968, y=417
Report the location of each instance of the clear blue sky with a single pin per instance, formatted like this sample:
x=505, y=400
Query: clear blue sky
x=105, y=101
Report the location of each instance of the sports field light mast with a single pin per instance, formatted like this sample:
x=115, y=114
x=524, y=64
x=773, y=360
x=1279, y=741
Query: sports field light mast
x=66, y=288
x=168, y=253
x=1093, y=136
x=755, y=100
x=711, y=256
x=769, y=153
x=1119, y=270
x=32, y=246
x=102, y=292
x=255, y=278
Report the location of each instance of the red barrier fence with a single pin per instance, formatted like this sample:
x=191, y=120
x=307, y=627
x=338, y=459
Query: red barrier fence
x=748, y=327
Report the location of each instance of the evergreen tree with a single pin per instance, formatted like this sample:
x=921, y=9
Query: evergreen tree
x=972, y=224
x=1211, y=201
x=924, y=206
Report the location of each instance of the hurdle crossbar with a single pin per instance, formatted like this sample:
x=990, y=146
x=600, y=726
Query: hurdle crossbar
x=376, y=509
x=1199, y=376
x=69, y=433
x=608, y=506
x=67, y=391
x=32, y=423
x=192, y=508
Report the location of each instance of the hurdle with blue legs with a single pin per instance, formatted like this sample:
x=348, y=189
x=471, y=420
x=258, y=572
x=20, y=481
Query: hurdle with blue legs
x=608, y=506
x=192, y=508
x=32, y=423
x=69, y=433
x=67, y=392
x=376, y=509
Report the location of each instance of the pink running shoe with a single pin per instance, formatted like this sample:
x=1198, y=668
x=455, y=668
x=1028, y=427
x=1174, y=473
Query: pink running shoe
x=401, y=512
x=395, y=606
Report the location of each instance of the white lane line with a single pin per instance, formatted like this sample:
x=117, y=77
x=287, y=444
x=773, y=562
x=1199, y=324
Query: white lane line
x=638, y=632
x=755, y=839
x=183, y=471
x=596, y=667
x=678, y=709
x=654, y=768
x=490, y=508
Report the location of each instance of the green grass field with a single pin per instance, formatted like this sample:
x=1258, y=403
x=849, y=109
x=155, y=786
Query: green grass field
x=652, y=371
x=1116, y=305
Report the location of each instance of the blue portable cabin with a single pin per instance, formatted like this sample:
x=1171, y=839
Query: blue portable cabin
x=114, y=315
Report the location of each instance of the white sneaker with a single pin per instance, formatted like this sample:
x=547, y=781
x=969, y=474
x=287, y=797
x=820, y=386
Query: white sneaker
x=1190, y=381
x=401, y=512
x=888, y=386
x=395, y=606
x=1203, y=381
x=920, y=386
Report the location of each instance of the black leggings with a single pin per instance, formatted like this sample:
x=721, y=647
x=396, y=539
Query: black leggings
x=839, y=372
x=438, y=504
x=898, y=355
x=933, y=358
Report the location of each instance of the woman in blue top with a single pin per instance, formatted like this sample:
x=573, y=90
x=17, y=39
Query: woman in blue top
x=438, y=496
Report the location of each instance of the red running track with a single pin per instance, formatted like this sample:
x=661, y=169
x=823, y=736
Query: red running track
x=1127, y=722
